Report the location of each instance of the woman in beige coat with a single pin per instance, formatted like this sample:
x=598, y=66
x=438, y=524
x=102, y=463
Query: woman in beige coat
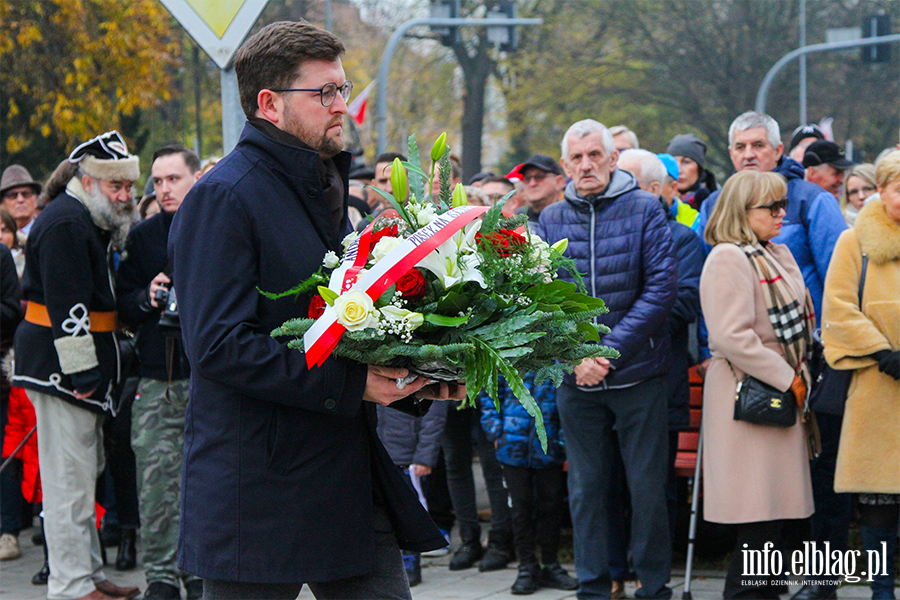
x=756, y=476
x=867, y=339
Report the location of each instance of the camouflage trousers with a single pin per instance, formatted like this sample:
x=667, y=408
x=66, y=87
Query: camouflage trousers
x=157, y=437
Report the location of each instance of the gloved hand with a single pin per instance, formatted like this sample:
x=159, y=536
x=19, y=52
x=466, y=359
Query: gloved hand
x=888, y=362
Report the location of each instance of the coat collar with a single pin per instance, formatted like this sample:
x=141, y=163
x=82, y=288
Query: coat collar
x=301, y=171
x=878, y=234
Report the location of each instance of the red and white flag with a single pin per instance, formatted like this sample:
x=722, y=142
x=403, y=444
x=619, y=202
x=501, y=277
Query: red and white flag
x=357, y=108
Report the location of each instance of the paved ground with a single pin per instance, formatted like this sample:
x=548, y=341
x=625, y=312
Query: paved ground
x=439, y=583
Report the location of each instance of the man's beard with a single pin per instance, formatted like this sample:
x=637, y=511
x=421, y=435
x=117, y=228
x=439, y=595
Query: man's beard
x=115, y=217
x=321, y=143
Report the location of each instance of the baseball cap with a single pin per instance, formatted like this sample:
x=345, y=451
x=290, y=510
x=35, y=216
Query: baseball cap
x=542, y=162
x=823, y=152
x=805, y=131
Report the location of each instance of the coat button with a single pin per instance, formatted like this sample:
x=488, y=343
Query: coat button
x=330, y=403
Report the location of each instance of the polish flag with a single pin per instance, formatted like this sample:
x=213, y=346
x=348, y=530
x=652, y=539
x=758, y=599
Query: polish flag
x=357, y=108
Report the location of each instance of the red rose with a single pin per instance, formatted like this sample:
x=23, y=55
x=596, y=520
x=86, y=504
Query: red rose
x=514, y=238
x=495, y=241
x=316, y=306
x=383, y=232
x=412, y=285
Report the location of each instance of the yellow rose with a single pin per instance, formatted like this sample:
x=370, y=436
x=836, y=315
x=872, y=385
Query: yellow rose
x=355, y=310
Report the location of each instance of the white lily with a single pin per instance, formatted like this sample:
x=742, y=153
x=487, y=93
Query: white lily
x=393, y=313
x=457, y=259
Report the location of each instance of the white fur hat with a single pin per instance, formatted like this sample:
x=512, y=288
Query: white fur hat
x=106, y=157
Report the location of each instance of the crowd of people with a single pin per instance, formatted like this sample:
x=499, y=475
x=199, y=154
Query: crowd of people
x=139, y=351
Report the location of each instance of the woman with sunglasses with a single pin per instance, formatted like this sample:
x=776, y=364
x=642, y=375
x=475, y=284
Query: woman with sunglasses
x=759, y=318
x=866, y=339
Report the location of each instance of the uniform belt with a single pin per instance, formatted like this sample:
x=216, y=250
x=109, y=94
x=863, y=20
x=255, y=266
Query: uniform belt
x=100, y=321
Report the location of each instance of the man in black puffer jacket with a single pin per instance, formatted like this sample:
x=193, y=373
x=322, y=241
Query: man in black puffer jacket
x=619, y=238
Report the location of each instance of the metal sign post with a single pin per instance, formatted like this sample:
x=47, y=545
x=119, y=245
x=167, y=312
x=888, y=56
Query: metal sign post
x=219, y=27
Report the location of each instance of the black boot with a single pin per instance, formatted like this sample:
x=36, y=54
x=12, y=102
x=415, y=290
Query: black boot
x=413, y=564
x=469, y=552
x=527, y=580
x=127, y=556
x=499, y=553
x=41, y=577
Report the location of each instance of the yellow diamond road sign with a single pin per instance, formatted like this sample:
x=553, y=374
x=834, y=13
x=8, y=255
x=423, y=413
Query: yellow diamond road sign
x=218, y=26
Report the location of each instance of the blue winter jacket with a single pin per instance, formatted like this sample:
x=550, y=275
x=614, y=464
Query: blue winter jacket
x=519, y=445
x=691, y=254
x=810, y=229
x=621, y=243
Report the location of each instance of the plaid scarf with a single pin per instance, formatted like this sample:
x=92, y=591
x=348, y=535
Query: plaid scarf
x=793, y=323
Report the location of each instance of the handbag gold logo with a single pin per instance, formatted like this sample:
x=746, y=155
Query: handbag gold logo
x=775, y=403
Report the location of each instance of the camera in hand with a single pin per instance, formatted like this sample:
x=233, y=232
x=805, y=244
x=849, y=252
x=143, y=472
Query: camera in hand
x=169, y=321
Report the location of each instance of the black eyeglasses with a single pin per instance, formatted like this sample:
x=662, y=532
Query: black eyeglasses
x=776, y=207
x=327, y=93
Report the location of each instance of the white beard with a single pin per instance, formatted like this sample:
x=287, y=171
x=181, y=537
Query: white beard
x=115, y=217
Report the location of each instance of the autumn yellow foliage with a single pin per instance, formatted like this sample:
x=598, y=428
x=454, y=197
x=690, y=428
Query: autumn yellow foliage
x=73, y=68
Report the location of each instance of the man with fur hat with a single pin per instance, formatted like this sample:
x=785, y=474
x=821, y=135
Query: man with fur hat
x=69, y=341
x=19, y=193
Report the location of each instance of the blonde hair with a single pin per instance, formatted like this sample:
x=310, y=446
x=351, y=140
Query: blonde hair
x=728, y=221
x=888, y=169
x=865, y=171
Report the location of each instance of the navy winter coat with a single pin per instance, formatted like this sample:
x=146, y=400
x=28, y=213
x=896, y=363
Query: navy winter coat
x=519, y=445
x=812, y=225
x=281, y=462
x=691, y=254
x=622, y=245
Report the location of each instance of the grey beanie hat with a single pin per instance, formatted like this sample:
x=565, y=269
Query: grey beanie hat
x=689, y=145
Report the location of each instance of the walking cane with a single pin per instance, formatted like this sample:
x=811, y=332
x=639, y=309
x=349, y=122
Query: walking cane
x=692, y=530
x=19, y=447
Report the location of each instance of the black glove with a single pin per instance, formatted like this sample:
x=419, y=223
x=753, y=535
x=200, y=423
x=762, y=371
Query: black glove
x=86, y=381
x=144, y=302
x=888, y=362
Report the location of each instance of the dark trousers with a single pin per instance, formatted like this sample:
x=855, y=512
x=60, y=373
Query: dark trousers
x=640, y=417
x=537, y=505
x=785, y=535
x=388, y=581
x=464, y=426
x=831, y=521
x=440, y=507
x=120, y=464
x=11, y=500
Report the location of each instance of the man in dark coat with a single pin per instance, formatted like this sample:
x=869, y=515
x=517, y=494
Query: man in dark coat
x=284, y=479
x=617, y=235
x=68, y=356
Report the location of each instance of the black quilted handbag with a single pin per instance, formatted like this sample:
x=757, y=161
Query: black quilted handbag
x=760, y=403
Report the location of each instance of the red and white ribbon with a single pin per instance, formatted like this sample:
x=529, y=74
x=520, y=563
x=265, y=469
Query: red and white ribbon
x=321, y=339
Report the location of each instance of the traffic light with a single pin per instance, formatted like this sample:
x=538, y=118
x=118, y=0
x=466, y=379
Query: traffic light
x=876, y=26
x=445, y=9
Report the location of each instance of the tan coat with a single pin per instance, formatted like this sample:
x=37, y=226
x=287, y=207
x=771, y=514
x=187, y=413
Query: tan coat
x=751, y=472
x=869, y=454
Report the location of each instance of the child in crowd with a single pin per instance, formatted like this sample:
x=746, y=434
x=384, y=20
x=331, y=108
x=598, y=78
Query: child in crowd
x=535, y=480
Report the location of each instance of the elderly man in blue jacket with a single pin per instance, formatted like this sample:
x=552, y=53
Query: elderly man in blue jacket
x=618, y=237
x=284, y=480
x=812, y=225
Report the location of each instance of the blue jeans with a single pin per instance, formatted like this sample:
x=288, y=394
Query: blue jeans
x=640, y=417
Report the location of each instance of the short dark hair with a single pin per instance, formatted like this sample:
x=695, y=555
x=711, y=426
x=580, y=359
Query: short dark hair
x=190, y=157
x=498, y=179
x=272, y=58
x=389, y=157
